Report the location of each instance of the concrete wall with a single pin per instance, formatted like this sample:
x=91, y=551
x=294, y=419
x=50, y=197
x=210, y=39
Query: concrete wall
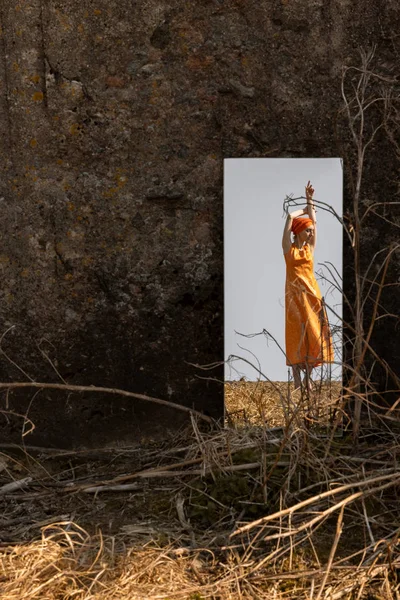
x=115, y=120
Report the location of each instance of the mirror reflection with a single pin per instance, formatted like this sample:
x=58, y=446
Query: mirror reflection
x=283, y=287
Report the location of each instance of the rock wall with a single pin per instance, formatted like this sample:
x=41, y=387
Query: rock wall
x=115, y=120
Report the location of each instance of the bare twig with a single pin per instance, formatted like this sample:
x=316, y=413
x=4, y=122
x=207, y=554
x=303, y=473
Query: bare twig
x=332, y=552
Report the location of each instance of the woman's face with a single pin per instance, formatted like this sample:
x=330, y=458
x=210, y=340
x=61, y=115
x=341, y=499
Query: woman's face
x=306, y=235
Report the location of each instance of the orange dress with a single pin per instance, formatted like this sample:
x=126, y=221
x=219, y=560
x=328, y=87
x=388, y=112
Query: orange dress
x=307, y=333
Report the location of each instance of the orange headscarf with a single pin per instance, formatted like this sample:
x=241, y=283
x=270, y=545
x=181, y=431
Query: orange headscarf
x=299, y=224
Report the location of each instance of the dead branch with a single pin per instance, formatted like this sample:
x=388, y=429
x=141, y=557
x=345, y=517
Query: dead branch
x=371, y=480
x=103, y=390
x=9, y=488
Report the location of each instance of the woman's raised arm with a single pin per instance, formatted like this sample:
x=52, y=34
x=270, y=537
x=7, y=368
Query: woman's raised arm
x=286, y=240
x=311, y=213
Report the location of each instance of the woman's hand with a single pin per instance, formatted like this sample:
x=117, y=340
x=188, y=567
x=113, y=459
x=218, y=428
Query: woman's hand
x=309, y=191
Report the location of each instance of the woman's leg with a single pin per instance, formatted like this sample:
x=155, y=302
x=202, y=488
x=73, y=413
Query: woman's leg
x=312, y=399
x=296, y=376
x=307, y=379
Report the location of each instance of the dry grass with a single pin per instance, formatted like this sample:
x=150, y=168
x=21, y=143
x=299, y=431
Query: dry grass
x=68, y=563
x=262, y=402
x=249, y=511
x=64, y=565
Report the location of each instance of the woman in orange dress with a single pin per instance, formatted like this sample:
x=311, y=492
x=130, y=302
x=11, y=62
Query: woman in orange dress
x=307, y=334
